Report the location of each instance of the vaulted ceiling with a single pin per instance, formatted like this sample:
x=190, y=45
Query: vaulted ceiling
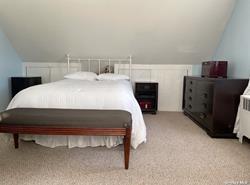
x=153, y=31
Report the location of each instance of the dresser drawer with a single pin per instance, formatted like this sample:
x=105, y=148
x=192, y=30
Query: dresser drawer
x=190, y=92
x=205, y=88
x=189, y=106
x=205, y=107
x=205, y=119
x=192, y=106
x=190, y=82
x=189, y=97
x=190, y=86
x=205, y=96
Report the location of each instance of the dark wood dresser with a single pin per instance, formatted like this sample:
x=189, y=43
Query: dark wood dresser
x=146, y=94
x=212, y=103
x=20, y=83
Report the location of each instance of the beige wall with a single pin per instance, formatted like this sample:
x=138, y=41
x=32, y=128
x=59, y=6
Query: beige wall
x=153, y=31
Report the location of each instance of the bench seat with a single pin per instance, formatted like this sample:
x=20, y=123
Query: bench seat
x=68, y=122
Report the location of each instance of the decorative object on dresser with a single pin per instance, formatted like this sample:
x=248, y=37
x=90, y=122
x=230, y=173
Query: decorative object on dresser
x=214, y=69
x=146, y=94
x=20, y=83
x=213, y=103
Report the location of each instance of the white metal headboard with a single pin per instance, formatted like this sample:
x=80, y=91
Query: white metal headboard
x=127, y=60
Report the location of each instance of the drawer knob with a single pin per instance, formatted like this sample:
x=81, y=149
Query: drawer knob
x=190, y=98
x=190, y=90
x=191, y=82
x=190, y=106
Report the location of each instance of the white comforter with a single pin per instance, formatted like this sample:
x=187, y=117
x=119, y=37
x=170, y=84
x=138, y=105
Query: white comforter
x=80, y=94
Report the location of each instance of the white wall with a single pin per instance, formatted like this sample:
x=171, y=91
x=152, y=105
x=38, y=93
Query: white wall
x=152, y=31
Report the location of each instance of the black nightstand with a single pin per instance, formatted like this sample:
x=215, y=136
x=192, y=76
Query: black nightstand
x=20, y=83
x=146, y=94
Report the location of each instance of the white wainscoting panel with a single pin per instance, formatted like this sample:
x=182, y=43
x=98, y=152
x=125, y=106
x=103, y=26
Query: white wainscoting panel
x=49, y=72
x=169, y=77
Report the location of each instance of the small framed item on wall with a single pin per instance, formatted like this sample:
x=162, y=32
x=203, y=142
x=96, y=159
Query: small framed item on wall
x=146, y=94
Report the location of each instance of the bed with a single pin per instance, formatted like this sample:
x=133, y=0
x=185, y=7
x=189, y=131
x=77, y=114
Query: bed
x=83, y=94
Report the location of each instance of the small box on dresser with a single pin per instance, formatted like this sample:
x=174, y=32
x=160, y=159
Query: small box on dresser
x=212, y=103
x=146, y=94
x=20, y=83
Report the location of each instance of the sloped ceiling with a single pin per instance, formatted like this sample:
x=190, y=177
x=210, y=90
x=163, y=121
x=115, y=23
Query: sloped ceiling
x=153, y=31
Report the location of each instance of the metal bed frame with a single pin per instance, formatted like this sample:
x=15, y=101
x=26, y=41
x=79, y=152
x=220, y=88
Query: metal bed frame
x=110, y=61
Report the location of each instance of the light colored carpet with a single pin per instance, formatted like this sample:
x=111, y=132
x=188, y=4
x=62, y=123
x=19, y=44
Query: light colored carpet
x=177, y=152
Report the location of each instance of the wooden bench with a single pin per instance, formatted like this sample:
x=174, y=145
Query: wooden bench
x=68, y=122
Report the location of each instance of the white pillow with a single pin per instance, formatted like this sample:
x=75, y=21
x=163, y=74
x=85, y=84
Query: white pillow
x=111, y=76
x=82, y=76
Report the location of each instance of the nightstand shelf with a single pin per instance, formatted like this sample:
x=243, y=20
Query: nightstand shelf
x=146, y=97
x=146, y=94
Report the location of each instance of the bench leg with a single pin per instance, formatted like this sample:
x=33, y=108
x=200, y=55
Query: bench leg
x=15, y=136
x=126, y=142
